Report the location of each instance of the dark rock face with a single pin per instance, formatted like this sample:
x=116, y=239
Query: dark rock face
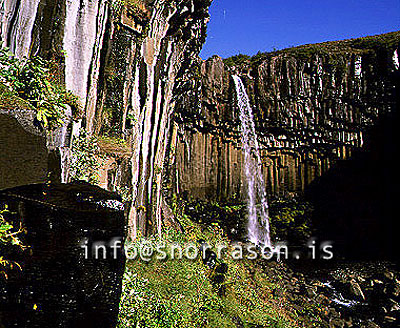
x=60, y=285
x=355, y=201
x=24, y=155
x=313, y=105
x=327, y=122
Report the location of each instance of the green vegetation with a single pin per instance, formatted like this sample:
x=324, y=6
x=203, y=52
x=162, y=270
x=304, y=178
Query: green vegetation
x=30, y=80
x=9, y=100
x=136, y=7
x=291, y=221
x=113, y=142
x=8, y=237
x=184, y=293
x=114, y=146
x=237, y=60
x=333, y=49
x=86, y=158
x=228, y=215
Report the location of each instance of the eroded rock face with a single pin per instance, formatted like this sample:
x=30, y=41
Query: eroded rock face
x=123, y=63
x=24, y=155
x=313, y=105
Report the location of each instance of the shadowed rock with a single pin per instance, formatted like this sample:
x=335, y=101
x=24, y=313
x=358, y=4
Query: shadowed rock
x=60, y=285
x=24, y=156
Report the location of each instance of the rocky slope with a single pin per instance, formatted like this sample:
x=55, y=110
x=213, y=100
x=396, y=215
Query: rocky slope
x=313, y=105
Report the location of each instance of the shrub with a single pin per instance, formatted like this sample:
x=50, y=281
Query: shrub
x=31, y=80
x=9, y=237
x=237, y=60
x=86, y=158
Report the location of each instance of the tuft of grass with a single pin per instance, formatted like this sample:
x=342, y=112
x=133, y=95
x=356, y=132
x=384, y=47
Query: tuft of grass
x=9, y=100
x=182, y=293
x=358, y=46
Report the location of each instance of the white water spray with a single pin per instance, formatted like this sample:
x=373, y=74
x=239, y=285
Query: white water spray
x=258, y=225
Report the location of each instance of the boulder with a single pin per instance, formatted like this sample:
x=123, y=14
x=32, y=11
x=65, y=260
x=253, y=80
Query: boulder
x=24, y=155
x=336, y=323
x=63, y=282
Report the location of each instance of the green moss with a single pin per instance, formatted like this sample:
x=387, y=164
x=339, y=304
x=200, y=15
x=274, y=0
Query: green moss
x=182, y=293
x=237, y=60
x=291, y=221
x=113, y=141
x=10, y=100
x=113, y=145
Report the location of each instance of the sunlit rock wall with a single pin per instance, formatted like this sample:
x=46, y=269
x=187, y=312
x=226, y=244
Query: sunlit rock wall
x=313, y=105
x=123, y=62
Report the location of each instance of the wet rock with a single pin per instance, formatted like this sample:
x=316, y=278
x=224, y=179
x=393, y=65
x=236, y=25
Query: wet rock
x=378, y=290
x=311, y=291
x=393, y=306
x=394, y=289
x=356, y=291
x=348, y=322
x=361, y=280
x=322, y=299
x=388, y=275
x=389, y=319
x=383, y=310
x=369, y=324
x=333, y=313
x=63, y=284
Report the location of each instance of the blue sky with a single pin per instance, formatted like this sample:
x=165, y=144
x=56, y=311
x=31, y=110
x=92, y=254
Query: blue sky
x=249, y=26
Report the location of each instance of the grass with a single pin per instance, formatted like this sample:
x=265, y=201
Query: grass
x=333, y=48
x=184, y=293
x=9, y=100
x=114, y=146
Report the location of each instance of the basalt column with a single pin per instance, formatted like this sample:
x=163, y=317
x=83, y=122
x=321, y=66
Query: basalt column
x=313, y=105
x=124, y=61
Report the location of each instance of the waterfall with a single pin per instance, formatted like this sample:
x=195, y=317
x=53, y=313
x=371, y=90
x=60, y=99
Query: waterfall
x=258, y=221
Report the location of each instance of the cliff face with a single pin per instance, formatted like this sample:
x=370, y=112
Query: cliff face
x=313, y=106
x=122, y=59
x=133, y=64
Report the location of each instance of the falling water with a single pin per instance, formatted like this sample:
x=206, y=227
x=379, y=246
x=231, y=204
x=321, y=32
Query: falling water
x=258, y=225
